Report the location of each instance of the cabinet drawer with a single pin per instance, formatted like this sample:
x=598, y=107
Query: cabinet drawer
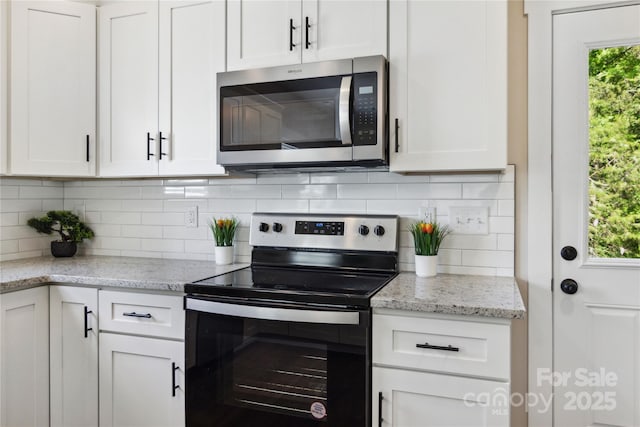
x=442, y=345
x=141, y=314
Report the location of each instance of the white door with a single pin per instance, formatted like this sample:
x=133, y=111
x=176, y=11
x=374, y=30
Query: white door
x=447, y=85
x=53, y=95
x=137, y=380
x=263, y=33
x=24, y=358
x=421, y=399
x=192, y=51
x=595, y=178
x=128, y=110
x=73, y=337
x=338, y=29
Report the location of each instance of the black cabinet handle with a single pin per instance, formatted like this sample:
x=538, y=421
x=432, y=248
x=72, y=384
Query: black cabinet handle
x=291, y=28
x=87, y=148
x=162, y=138
x=86, y=321
x=306, y=32
x=397, y=141
x=380, y=399
x=174, y=368
x=149, y=139
x=134, y=314
x=438, y=347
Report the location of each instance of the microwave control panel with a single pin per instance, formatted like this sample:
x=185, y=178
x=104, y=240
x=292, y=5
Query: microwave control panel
x=365, y=109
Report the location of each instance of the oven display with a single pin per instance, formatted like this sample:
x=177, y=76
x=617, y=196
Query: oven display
x=328, y=228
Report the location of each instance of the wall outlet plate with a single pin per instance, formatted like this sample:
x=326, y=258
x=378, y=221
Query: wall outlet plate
x=427, y=213
x=469, y=219
x=191, y=217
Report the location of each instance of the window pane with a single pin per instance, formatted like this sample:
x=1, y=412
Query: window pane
x=614, y=155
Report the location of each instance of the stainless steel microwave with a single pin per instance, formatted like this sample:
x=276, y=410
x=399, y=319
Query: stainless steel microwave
x=316, y=115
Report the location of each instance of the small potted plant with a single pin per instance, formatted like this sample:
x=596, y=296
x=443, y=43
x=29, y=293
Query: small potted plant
x=427, y=237
x=68, y=225
x=224, y=230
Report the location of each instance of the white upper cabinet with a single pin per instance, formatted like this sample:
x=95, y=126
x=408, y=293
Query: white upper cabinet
x=448, y=85
x=271, y=33
x=4, y=37
x=53, y=91
x=158, y=63
x=128, y=61
x=192, y=51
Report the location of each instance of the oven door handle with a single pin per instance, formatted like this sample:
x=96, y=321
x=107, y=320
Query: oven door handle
x=343, y=112
x=272, y=313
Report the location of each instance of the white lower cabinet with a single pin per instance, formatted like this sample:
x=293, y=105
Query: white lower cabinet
x=73, y=335
x=24, y=358
x=141, y=361
x=432, y=370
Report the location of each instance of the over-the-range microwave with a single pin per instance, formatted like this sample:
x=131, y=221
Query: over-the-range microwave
x=330, y=114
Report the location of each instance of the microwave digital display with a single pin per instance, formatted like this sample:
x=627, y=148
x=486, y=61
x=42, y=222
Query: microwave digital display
x=365, y=90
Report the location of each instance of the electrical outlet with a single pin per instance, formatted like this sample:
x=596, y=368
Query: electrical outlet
x=191, y=217
x=427, y=213
x=469, y=220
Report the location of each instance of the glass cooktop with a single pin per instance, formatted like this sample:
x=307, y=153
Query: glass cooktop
x=313, y=285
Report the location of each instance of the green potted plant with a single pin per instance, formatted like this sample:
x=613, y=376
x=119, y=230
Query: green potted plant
x=224, y=230
x=68, y=225
x=427, y=237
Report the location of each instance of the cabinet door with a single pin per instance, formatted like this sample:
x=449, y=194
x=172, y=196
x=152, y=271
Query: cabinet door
x=128, y=38
x=419, y=399
x=137, y=379
x=4, y=37
x=192, y=51
x=24, y=358
x=259, y=33
x=339, y=29
x=73, y=338
x=53, y=78
x=448, y=85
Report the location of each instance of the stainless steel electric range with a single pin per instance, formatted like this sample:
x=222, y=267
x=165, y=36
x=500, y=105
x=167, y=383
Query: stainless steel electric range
x=287, y=341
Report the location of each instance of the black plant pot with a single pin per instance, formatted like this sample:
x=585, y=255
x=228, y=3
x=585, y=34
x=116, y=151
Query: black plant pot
x=63, y=249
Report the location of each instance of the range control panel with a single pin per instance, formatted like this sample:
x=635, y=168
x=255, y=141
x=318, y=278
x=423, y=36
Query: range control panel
x=329, y=228
x=325, y=231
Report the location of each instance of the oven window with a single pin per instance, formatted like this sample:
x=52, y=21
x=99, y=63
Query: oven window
x=281, y=115
x=243, y=372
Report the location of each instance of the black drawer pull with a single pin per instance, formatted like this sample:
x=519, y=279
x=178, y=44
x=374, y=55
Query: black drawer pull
x=86, y=322
x=397, y=141
x=438, y=347
x=380, y=399
x=149, y=139
x=134, y=314
x=291, y=28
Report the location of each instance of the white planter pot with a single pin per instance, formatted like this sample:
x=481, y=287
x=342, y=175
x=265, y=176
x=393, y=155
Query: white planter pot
x=224, y=255
x=426, y=265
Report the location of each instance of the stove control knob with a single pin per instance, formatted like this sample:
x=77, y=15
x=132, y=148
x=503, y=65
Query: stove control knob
x=363, y=230
x=277, y=227
x=264, y=227
x=378, y=231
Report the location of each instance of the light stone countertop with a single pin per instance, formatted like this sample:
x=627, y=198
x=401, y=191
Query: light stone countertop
x=108, y=271
x=486, y=296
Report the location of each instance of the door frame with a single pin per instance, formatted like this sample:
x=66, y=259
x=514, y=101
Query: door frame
x=540, y=202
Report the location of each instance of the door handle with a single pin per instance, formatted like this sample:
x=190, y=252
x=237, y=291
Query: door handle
x=568, y=253
x=306, y=32
x=174, y=387
x=569, y=286
x=344, y=110
x=397, y=141
x=291, y=28
x=162, y=138
x=87, y=148
x=149, y=139
x=380, y=399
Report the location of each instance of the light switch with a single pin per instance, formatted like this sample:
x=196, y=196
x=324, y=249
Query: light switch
x=469, y=219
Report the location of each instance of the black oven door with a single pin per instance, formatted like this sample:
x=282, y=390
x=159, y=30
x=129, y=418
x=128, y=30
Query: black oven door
x=276, y=365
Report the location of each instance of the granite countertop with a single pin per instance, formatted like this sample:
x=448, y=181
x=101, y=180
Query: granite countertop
x=107, y=271
x=453, y=294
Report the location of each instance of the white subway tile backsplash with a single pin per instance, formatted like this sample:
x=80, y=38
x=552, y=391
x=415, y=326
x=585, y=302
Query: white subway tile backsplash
x=429, y=191
x=309, y=191
x=368, y=192
x=146, y=217
x=501, y=190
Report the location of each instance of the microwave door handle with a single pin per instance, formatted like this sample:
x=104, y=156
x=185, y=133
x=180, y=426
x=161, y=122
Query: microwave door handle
x=343, y=113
